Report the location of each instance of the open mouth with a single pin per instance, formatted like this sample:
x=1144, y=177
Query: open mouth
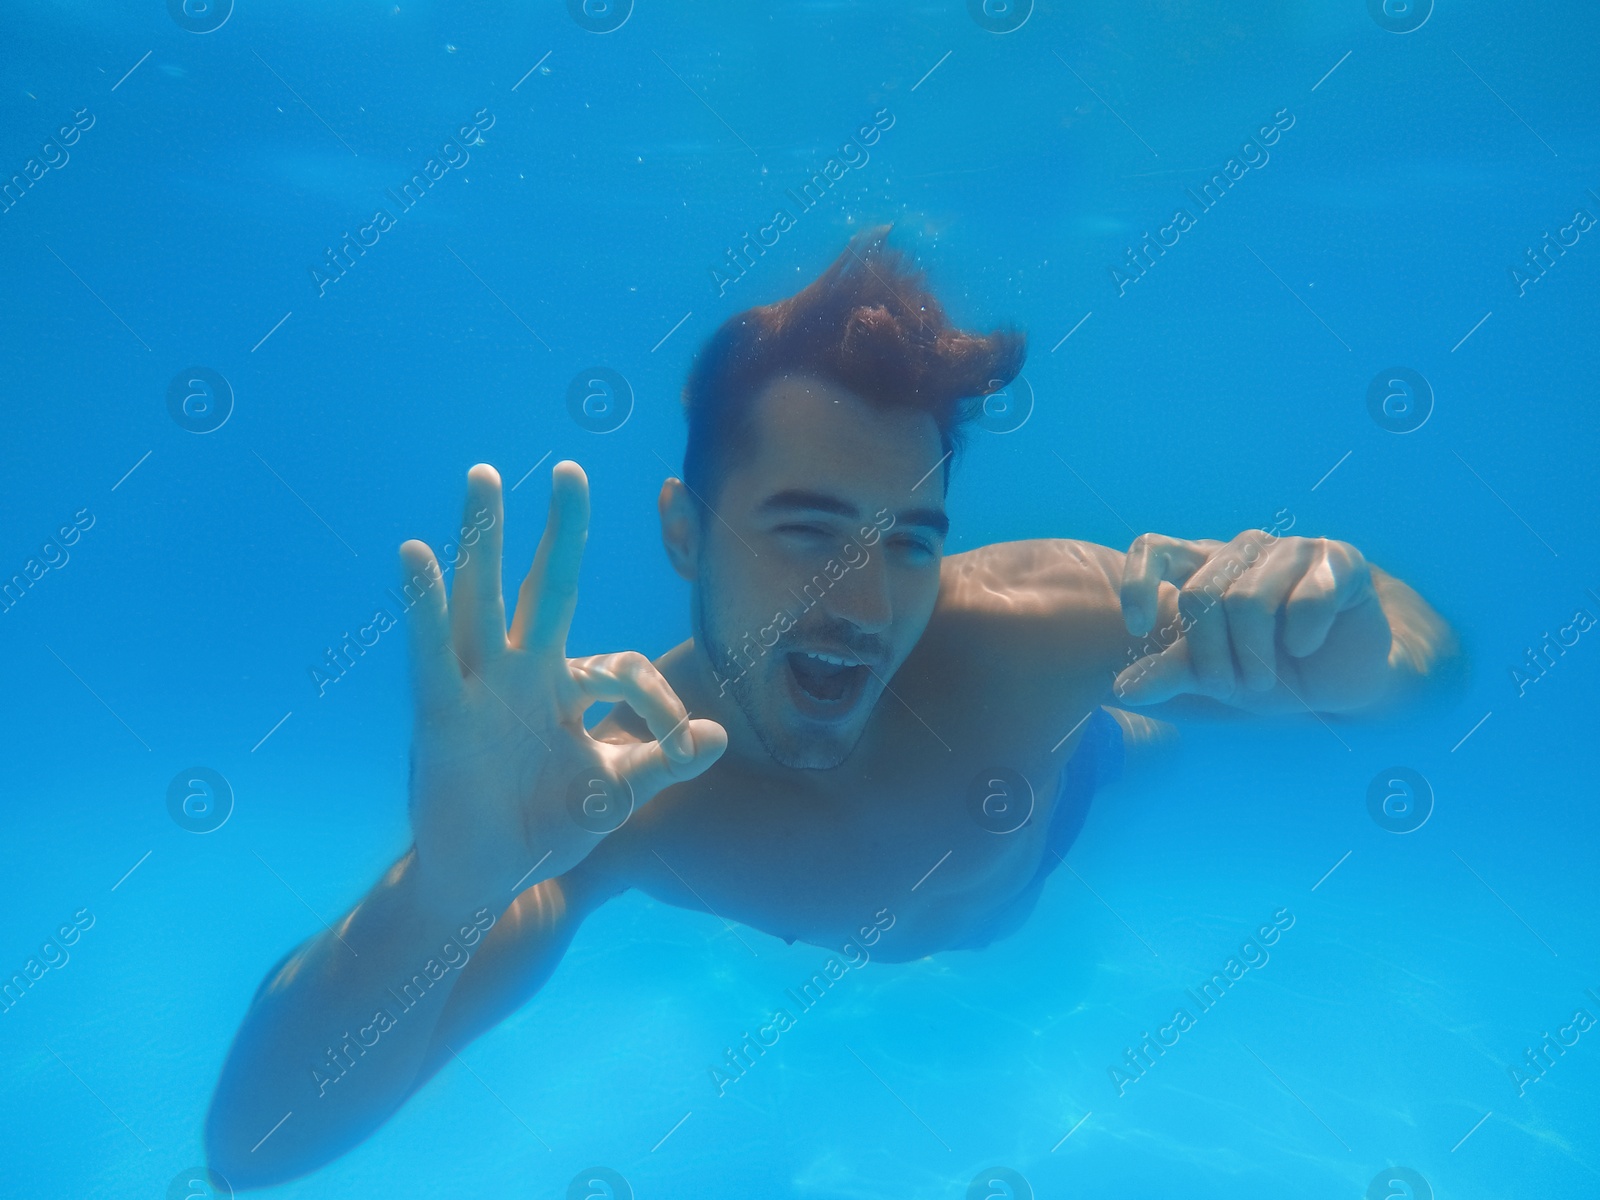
x=825, y=685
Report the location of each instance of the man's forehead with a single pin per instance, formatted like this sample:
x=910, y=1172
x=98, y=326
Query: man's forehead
x=801, y=416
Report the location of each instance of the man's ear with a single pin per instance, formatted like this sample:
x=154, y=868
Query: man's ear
x=680, y=528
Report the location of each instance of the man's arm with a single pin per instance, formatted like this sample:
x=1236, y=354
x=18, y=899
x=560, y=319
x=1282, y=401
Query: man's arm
x=350, y=1024
x=1267, y=624
x=1204, y=629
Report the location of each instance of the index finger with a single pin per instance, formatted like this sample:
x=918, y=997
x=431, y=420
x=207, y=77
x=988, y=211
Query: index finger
x=549, y=595
x=1152, y=559
x=436, y=675
x=477, y=611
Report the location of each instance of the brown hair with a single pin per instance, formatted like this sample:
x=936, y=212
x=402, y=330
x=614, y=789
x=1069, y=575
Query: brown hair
x=867, y=323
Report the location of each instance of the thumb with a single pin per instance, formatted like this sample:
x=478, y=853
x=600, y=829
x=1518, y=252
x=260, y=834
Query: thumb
x=1157, y=677
x=649, y=769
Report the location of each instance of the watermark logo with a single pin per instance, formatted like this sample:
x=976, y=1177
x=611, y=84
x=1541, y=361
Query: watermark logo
x=53, y=555
x=1535, y=1062
x=599, y=1183
x=452, y=155
x=1399, y=400
x=1400, y=16
x=600, y=16
x=54, y=953
x=1209, y=594
x=1006, y=409
x=737, y=662
x=1000, y=16
x=598, y=804
x=600, y=400
x=1400, y=800
x=1000, y=800
x=1537, y=663
x=454, y=954
x=999, y=1183
x=200, y=16
x=199, y=800
x=853, y=955
x=199, y=1183
x=53, y=155
x=1252, y=956
x=200, y=400
x=1399, y=1183
x=1536, y=262
x=338, y=661
x=1253, y=155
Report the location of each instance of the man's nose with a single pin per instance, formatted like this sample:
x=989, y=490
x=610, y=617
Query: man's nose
x=862, y=598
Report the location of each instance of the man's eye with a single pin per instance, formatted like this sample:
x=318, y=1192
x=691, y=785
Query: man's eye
x=804, y=530
x=916, y=545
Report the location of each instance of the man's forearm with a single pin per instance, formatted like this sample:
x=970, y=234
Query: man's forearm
x=335, y=1036
x=1387, y=654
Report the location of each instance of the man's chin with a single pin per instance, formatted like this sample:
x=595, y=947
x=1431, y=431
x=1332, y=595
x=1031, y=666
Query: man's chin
x=812, y=757
x=808, y=750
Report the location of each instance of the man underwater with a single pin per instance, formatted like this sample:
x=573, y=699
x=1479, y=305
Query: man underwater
x=860, y=728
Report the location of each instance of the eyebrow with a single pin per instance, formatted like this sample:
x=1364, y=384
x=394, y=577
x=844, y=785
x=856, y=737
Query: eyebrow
x=800, y=499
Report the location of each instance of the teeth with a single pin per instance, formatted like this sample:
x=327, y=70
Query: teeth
x=832, y=660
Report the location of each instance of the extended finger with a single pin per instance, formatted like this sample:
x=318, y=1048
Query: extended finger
x=549, y=594
x=477, y=610
x=631, y=678
x=1152, y=558
x=436, y=676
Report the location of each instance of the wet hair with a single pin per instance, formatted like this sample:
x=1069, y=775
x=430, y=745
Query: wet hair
x=869, y=324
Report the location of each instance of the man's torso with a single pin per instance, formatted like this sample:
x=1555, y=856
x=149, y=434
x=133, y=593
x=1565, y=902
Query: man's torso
x=997, y=688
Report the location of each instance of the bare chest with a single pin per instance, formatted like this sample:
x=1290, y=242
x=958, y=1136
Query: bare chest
x=940, y=844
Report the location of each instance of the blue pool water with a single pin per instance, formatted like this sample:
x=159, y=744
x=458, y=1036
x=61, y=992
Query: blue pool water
x=180, y=199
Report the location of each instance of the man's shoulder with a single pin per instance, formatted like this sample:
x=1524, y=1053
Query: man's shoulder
x=1045, y=576
x=1025, y=637
x=1054, y=601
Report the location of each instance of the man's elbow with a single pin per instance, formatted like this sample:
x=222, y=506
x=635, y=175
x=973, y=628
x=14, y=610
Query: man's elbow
x=237, y=1163
x=248, y=1150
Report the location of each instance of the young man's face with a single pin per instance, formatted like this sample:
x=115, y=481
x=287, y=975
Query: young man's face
x=824, y=540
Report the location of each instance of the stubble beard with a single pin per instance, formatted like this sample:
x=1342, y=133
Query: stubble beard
x=735, y=680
